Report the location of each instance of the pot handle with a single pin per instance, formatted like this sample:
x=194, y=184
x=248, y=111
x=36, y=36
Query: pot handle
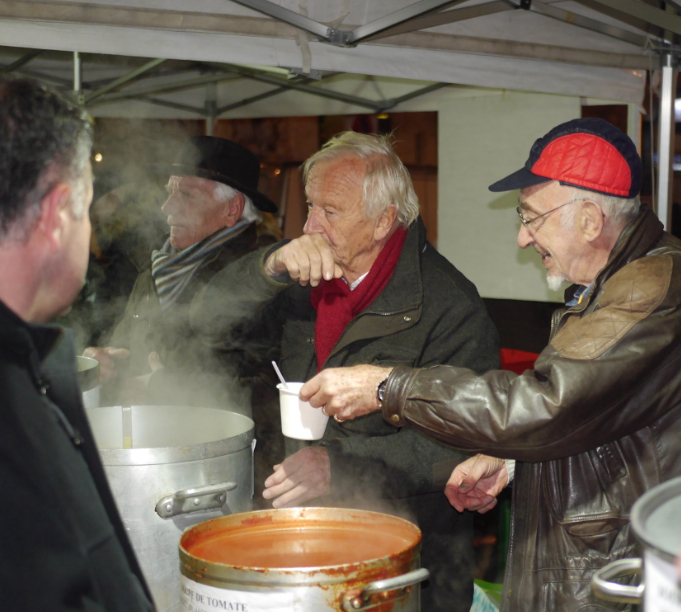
x=192, y=500
x=613, y=591
x=355, y=601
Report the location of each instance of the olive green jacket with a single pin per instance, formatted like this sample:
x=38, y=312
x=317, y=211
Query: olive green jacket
x=192, y=373
x=428, y=314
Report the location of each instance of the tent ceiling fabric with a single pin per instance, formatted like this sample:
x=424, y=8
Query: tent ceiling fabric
x=483, y=43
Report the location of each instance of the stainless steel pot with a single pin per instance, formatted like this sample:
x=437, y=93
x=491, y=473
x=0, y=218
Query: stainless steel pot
x=656, y=522
x=88, y=380
x=302, y=560
x=171, y=467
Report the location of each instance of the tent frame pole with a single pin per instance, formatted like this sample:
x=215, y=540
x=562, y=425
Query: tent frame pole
x=666, y=138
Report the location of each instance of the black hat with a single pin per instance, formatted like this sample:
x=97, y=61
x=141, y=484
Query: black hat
x=223, y=161
x=586, y=153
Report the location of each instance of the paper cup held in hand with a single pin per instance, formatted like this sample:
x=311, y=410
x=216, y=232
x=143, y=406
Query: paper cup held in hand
x=299, y=420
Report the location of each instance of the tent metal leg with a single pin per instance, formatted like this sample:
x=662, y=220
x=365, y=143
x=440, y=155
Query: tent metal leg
x=666, y=139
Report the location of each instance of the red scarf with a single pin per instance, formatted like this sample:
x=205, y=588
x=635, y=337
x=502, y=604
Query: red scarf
x=337, y=305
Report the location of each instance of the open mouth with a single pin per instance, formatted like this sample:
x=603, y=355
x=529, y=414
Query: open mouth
x=545, y=255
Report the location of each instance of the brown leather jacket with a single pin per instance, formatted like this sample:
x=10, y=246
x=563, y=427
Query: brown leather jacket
x=594, y=426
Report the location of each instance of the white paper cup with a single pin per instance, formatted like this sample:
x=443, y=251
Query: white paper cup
x=299, y=420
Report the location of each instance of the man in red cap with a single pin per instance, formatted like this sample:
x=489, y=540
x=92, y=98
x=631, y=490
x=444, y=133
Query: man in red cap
x=597, y=422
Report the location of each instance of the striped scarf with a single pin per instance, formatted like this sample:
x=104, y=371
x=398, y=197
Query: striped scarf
x=173, y=271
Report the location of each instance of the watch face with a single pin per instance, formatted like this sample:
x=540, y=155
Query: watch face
x=380, y=390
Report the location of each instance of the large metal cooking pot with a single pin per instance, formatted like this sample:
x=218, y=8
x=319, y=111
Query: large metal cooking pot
x=171, y=467
x=88, y=380
x=655, y=522
x=302, y=560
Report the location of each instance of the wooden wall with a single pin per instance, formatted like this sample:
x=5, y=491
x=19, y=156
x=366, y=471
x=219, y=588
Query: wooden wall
x=282, y=144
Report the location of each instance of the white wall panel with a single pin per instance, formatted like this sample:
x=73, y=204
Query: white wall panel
x=482, y=139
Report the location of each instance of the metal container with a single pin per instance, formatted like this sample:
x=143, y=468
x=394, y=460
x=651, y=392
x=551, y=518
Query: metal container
x=656, y=522
x=169, y=468
x=302, y=560
x=88, y=380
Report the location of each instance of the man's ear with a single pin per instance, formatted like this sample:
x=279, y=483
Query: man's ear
x=591, y=221
x=54, y=208
x=234, y=209
x=385, y=222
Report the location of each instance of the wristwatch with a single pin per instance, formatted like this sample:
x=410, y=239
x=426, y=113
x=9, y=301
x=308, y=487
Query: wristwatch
x=380, y=392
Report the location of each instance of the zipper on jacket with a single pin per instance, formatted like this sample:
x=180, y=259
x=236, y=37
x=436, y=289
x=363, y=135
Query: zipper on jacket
x=357, y=318
x=73, y=434
x=566, y=310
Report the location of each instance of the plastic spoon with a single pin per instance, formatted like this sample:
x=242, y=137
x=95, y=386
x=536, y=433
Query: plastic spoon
x=279, y=374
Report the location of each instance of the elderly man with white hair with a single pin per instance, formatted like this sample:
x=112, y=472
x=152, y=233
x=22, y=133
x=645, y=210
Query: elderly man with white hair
x=212, y=208
x=597, y=422
x=363, y=286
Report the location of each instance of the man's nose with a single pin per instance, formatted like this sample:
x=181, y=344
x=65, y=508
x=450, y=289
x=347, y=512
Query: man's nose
x=313, y=225
x=524, y=237
x=169, y=205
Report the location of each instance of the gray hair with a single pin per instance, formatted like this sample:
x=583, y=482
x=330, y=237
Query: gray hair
x=224, y=193
x=619, y=210
x=386, y=181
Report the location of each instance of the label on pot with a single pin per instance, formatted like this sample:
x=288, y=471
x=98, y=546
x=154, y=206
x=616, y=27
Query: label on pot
x=197, y=597
x=662, y=592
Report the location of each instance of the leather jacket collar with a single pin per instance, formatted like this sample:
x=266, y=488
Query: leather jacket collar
x=636, y=239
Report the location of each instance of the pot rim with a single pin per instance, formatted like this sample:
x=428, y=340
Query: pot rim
x=176, y=454
x=180, y=454
x=645, y=506
x=211, y=572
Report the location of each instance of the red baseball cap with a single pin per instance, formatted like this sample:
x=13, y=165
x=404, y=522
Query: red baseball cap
x=586, y=153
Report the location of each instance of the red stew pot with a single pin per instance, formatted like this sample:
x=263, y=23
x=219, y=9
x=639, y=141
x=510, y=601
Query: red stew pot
x=302, y=559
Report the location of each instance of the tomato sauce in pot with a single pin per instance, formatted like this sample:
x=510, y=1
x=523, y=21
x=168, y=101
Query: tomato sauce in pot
x=296, y=546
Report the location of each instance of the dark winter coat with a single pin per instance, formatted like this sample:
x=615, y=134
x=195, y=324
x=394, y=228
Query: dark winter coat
x=428, y=314
x=238, y=378
x=193, y=374
x=63, y=546
x=594, y=426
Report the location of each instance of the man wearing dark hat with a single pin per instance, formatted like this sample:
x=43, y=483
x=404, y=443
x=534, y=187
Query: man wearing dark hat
x=598, y=421
x=212, y=208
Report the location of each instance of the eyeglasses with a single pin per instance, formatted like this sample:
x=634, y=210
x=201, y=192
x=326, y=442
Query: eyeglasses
x=527, y=222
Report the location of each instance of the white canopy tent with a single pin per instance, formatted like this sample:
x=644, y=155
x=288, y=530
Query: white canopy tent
x=590, y=48
x=553, y=47
x=257, y=58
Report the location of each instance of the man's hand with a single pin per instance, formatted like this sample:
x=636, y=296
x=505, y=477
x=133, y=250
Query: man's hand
x=107, y=358
x=345, y=393
x=475, y=483
x=307, y=259
x=302, y=476
x=134, y=391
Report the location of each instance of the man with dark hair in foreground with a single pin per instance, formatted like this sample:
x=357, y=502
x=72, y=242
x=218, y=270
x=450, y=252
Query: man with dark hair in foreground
x=63, y=544
x=597, y=422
